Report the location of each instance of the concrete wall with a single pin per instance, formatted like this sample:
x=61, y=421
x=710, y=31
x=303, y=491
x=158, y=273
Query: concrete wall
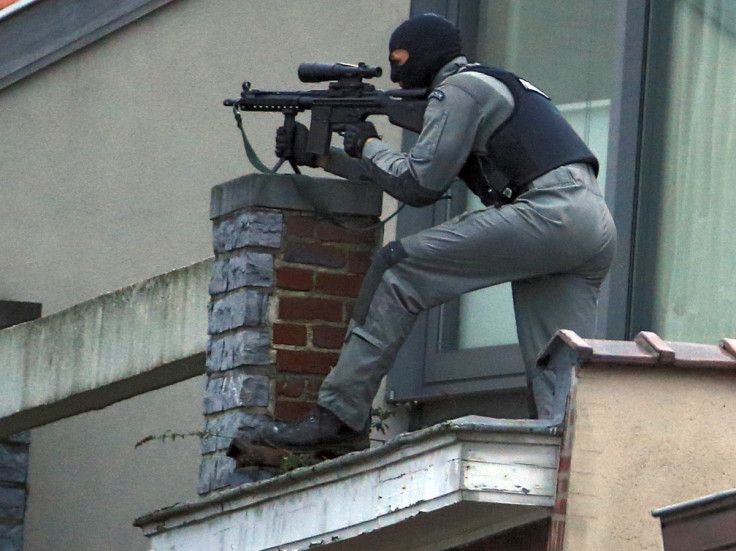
x=645, y=437
x=107, y=162
x=109, y=155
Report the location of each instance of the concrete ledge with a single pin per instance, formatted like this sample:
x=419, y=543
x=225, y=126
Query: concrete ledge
x=38, y=34
x=99, y=352
x=294, y=191
x=487, y=474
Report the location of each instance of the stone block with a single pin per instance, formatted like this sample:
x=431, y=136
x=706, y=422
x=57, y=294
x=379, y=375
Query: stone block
x=224, y=428
x=238, y=390
x=250, y=347
x=13, y=463
x=246, y=308
x=249, y=269
x=218, y=472
x=256, y=391
x=248, y=229
x=214, y=472
x=11, y=537
x=21, y=437
x=12, y=503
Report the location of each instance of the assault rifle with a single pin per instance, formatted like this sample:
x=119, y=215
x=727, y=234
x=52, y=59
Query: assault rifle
x=347, y=100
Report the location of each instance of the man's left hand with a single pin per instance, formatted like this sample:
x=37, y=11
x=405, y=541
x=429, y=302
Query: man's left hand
x=355, y=136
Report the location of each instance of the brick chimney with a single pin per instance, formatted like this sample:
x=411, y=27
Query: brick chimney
x=290, y=255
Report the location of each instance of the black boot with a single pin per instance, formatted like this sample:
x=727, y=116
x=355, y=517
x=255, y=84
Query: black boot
x=321, y=433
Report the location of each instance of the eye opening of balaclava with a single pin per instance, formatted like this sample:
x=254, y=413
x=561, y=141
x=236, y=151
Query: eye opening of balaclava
x=431, y=41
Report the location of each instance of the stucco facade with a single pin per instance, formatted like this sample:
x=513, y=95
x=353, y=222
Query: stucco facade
x=108, y=159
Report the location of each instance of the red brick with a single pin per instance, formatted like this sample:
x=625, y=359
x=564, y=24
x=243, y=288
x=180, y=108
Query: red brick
x=313, y=386
x=315, y=254
x=291, y=389
x=293, y=411
x=302, y=226
x=327, y=231
x=563, y=484
x=310, y=308
x=556, y=535
x=358, y=262
x=290, y=333
x=305, y=361
x=294, y=279
x=340, y=285
x=306, y=390
x=565, y=464
x=560, y=506
x=328, y=336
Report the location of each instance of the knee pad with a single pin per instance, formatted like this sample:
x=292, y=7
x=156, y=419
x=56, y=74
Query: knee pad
x=387, y=256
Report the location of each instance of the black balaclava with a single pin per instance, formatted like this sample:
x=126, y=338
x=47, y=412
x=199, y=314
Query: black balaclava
x=432, y=41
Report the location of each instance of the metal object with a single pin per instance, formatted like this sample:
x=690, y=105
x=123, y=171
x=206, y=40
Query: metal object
x=705, y=524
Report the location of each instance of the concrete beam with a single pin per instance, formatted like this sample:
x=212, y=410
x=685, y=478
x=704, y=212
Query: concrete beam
x=140, y=338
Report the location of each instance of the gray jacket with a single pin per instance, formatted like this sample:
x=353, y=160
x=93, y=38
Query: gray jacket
x=463, y=111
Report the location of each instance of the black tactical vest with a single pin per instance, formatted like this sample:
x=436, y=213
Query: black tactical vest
x=532, y=141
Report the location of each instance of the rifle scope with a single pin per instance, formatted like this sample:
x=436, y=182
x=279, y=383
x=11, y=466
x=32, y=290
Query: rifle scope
x=321, y=72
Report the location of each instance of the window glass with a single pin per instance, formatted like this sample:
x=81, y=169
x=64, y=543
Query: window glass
x=565, y=48
x=692, y=87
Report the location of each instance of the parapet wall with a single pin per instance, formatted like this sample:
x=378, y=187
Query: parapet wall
x=654, y=425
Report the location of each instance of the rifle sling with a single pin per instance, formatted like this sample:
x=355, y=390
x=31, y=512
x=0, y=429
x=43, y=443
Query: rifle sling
x=249, y=151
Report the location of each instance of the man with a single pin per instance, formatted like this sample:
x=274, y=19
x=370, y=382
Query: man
x=545, y=227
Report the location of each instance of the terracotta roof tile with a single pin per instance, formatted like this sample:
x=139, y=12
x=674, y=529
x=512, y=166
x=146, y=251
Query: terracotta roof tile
x=6, y=3
x=647, y=348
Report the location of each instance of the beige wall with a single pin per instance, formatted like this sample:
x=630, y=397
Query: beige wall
x=646, y=438
x=88, y=481
x=109, y=155
x=107, y=161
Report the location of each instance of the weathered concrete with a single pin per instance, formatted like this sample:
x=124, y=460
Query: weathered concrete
x=118, y=345
x=438, y=488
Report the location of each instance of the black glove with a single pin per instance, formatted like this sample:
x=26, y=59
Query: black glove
x=294, y=147
x=356, y=135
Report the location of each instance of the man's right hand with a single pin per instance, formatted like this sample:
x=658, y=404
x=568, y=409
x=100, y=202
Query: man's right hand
x=294, y=147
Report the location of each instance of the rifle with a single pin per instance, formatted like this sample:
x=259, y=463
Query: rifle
x=347, y=100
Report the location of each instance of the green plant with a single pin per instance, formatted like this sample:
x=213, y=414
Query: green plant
x=297, y=460
x=171, y=435
x=378, y=419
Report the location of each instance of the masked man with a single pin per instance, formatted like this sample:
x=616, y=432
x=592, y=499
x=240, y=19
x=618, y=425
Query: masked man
x=545, y=228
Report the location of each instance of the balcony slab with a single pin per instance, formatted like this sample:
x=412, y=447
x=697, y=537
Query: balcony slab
x=489, y=474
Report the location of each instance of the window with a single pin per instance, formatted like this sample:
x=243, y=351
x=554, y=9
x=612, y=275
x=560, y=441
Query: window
x=684, y=266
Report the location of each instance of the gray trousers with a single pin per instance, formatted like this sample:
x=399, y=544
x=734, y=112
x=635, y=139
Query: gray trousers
x=555, y=244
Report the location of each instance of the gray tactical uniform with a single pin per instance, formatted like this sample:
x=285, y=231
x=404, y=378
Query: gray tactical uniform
x=555, y=243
